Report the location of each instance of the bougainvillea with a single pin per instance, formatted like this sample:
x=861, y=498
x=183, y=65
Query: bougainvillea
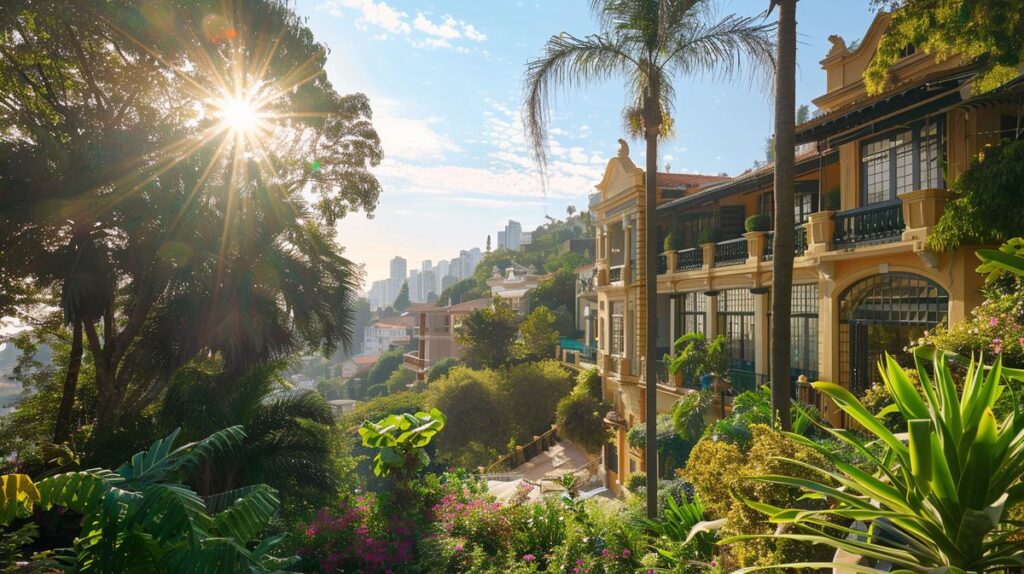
x=358, y=537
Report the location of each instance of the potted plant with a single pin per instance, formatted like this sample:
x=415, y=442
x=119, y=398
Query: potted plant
x=707, y=235
x=674, y=241
x=833, y=200
x=695, y=355
x=758, y=222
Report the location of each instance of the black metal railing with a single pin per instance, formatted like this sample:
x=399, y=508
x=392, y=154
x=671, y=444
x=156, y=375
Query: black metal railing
x=800, y=240
x=874, y=223
x=615, y=274
x=799, y=243
x=662, y=265
x=742, y=381
x=688, y=259
x=731, y=252
x=661, y=373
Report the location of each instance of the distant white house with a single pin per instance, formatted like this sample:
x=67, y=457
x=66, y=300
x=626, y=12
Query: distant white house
x=381, y=335
x=514, y=284
x=302, y=382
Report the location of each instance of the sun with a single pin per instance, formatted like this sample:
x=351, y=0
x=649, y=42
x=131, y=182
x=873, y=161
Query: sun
x=239, y=115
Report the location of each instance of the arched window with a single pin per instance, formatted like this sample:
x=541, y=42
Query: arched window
x=883, y=314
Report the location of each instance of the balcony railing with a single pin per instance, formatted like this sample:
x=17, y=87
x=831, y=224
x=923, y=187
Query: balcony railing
x=662, y=264
x=799, y=243
x=688, y=259
x=874, y=223
x=414, y=361
x=615, y=274
x=731, y=252
x=743, y=380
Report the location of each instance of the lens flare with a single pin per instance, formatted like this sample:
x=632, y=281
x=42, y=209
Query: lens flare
x=237, y=114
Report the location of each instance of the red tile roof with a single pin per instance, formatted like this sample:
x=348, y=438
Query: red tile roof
x=672, y=180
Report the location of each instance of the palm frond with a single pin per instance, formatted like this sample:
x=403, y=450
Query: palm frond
x=568, y=63
x=248, y=515
x=723, y=49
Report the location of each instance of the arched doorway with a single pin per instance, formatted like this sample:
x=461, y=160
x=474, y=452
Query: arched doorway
x=884, y=313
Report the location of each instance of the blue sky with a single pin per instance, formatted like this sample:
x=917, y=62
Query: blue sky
x=445, y=81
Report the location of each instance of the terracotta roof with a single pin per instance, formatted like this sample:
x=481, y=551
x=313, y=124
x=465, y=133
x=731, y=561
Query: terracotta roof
x=464, y=306
x=672, y=180
x=363, y=360
x=403, y=322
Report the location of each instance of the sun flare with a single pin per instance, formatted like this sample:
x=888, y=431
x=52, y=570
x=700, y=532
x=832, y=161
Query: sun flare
x=237, y=114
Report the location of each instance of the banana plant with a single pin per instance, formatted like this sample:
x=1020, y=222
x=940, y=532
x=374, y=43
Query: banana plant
x=937, y=502
x=400, y=441
x=139, y=518
x=1009, y=258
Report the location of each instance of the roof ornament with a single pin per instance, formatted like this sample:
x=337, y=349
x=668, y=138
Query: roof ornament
x=838, y=45
x=623, y=149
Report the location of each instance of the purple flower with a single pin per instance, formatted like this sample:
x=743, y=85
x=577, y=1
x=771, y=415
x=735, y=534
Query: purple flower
x=992, y=322
x=626, y=552
x=458, y=548
x=529, y=557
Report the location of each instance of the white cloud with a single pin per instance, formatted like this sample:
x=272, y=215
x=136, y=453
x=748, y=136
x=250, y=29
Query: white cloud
x=421, y=31
x=408, y=138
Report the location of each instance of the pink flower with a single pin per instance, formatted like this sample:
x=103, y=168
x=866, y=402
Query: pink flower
x=992, y=322
x=529, y=557
x=626, y=552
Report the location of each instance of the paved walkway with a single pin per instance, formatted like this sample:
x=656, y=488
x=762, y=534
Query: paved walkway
x=562, y=458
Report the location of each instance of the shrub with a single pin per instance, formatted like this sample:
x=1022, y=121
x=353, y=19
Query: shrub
x=530, y=393
x=475, y=413
x=400, y=380
x=441, y=368
x=674, y=241
x=581, y=421
x=590, y=382
x=387, y=363
x=713, y=468
x=636, y=482
x=757, y=222
x=538, y=337
x=833, y=199
x=357, y=536
x=989, y=202
x=707, y=235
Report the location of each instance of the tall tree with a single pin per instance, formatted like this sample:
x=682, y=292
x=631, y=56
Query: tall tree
x=649, y=43
x=782, y=267
x=989, y=31
x=180, y=139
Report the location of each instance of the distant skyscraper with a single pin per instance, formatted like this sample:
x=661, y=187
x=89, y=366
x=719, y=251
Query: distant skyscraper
x=426, y=265
x=414, y=286
x=398, y=268
x=511, y=237
x=501, y=240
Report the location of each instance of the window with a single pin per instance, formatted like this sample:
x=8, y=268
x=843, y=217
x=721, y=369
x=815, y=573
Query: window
x=803, y=207
x=617, y=327
x=804, y=330
x=692, y=313
x=736, y=322
x=900, y=162
x=611, y=458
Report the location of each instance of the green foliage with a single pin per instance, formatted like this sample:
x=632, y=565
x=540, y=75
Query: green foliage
x=478, y=427
x=1008, y=259
x=465, y=290
x=757, y=222
x=590, y=381
x=675, y=523
x=987, y=31
x=636, y=482
x=674, y=241
x=988, y=204
x=387, y=364
x=708, y=235
x=538, y=337
x=288, y=442
x=581, y=421
x=833, y=199
x=696, y=356
x=994, y=327
x=487, y=336
x=402, y=300
x=401, y=440
x=441, y=368
x=557, y=292
x=139, y=518
x=673, y=450
x=399, y=380
x=943, y=494
x=689, y=414
x=530, y=394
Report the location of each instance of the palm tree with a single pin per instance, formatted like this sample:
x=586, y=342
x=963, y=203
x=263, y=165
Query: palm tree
x=782, y=271
x=648, y=43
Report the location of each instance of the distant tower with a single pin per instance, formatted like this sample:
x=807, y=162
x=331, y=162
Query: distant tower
x=488, y=242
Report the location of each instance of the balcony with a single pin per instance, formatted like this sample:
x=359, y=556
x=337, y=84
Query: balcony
x=878, y=223
x=414, y=362
x=731, y=252
x=689, y=259
x=615, y=273
x=799, y=243
x=662, y=264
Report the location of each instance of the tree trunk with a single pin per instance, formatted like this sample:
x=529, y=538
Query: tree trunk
x=782, y=276
x=62, y=429
x=652, y=126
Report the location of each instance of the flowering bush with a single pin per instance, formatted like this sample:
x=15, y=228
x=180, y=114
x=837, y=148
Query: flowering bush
x=358, y=537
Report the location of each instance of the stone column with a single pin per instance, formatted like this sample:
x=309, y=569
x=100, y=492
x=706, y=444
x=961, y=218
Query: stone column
x=820, y=228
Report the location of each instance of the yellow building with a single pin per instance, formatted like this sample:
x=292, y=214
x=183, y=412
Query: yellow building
x=871, y=183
